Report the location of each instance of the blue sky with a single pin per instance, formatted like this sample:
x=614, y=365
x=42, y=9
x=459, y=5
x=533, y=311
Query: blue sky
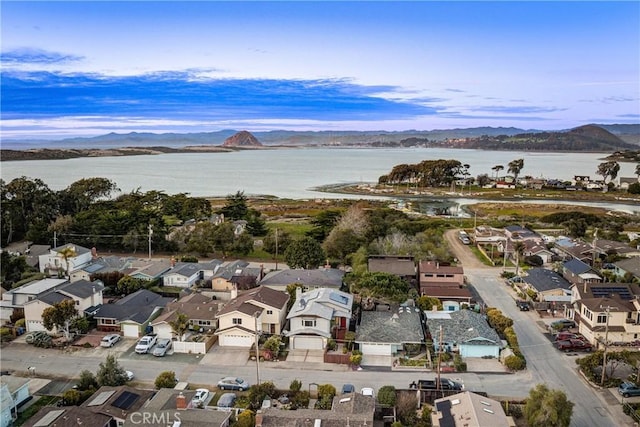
x=89, y=68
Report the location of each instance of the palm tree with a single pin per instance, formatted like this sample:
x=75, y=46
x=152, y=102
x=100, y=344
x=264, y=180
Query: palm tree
x=515, y=166
x=66, y=253
x=497, y=168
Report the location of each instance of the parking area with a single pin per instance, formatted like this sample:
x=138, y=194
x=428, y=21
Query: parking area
x=227, y=356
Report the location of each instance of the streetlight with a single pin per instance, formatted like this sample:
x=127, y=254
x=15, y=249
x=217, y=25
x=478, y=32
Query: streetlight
x=256, y=315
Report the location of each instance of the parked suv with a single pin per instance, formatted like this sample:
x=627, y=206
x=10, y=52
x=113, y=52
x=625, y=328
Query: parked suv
x=562, y=325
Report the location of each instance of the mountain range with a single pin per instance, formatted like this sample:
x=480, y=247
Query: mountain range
x=589, y=137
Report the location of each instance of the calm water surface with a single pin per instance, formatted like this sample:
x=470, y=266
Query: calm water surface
x=286, y=173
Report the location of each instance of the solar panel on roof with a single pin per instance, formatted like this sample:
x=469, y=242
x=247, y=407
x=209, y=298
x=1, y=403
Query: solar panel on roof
x=338, y=298
x=49, y=418
x=125, y=400
x=101, y=398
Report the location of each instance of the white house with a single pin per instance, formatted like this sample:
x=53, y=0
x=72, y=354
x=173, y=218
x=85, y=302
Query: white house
x=54, y=263
x=318, y=315
x=259, y=310
x=183, y=275
x=16, y=298
x=13, y=391
x=87, y=296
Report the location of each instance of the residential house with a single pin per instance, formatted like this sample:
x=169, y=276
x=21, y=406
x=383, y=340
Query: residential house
x=234, y=276
x=456, y=296
x=117, y=402
x=628, y=267
x=182, y=275
x=259, y=310
x=382, y=334
x=13, y=300
x=590, y=303
x=571, y=248
x=468, y=409
x=69, y=416
x=434, y=274
x=102, y=265
x=33, y=252
x=517, y=232
x=131, y=314
x=625, y=182
x=169, y=407
x=87, y=296
x=351, y=409
x=464, y=331
x=577, y=272
x=200, y=309
x=604, y=248
x=318, y=315
x=399, y=265
x=534, y=248
x=310, y=278
x=54, y=263
x=545, y=283
x=148, y=270
x=14, y=392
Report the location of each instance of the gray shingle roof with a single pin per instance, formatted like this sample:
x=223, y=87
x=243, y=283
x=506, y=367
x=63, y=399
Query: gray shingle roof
x=318, y=278
x=576, y=266
x=393, y=326
x=463, y=326
x=82, y=288
x=137, y=307
x=542, y=280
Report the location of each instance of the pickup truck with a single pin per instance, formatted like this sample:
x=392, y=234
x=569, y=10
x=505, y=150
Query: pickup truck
x=445, y=384
x=145, y=344
x=573, y=344
x=628, y=389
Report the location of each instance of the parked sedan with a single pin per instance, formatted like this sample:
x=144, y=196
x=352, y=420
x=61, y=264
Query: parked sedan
x=200, y=397
x=162, y=346
x=109, y=340
x=227, y=400
x=628, y=389
x=233, y=383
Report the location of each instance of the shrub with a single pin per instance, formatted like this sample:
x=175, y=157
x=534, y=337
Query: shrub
x=5, y=335
x=87, y=381
x=295, y=386
x=166, y=379
x=273, y=344
x=326, y=390
x=355, y=359
x=459, y=364
x=515, y=362
x=20, y=323
x=387, y=395
x=245, y=419
x=300, y=400
x=331, y=344
x=257, y=393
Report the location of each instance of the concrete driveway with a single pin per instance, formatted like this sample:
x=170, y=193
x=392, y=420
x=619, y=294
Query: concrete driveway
x=226, y=356
x=309, y=356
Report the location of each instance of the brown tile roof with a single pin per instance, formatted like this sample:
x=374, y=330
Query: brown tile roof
x=434, y=267
x=195, y=306
x=445, y=292
x=596, y=304
x=137, y=399
x=261, y=294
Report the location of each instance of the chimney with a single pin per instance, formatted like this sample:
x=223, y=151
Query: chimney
x=93, y=296
x=181, y=401
x=94, y=253
x=298, y=292
x=259, y=416
x=173, y=262
x=234, y=292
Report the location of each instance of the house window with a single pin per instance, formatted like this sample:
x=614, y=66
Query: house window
x=77, y=302
x=237, y=321
x=269, y=311
x=602, y=318
x=309, y=323
x=203, y=322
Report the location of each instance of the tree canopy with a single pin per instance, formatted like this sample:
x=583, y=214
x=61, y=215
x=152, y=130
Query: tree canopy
x=60, y=316
x=384, y=286
x=547, y=408
x=304, y=253
x=110, y=373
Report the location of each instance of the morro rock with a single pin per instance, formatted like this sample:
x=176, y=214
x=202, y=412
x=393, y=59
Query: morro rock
x=242, y=139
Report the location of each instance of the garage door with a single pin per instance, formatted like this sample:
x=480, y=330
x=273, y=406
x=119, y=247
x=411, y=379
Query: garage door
x=376, y=349
x=308, y=343
x=236, y=340
x=130, y=331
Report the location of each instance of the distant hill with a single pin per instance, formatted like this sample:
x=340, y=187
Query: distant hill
x=583, y=138
x=242, y=139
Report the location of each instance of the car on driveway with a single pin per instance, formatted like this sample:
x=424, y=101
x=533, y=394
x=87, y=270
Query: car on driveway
x=348, y=388
x=562, y=325
x=367, y=391
x=227, y=400
x=561, y=336
x=573, y=345
x=233, y=383
x=109, y=340
x=145, y=344
x=200, y=397
x=628, y=389
x=162, y=346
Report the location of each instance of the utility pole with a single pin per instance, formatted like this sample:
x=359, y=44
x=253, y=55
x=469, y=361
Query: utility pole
x=55, y=239
x=606, y=339
x=276, y=249
x=439, y=357
x=255, y=317
x=593, y=247
x=150, y=234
